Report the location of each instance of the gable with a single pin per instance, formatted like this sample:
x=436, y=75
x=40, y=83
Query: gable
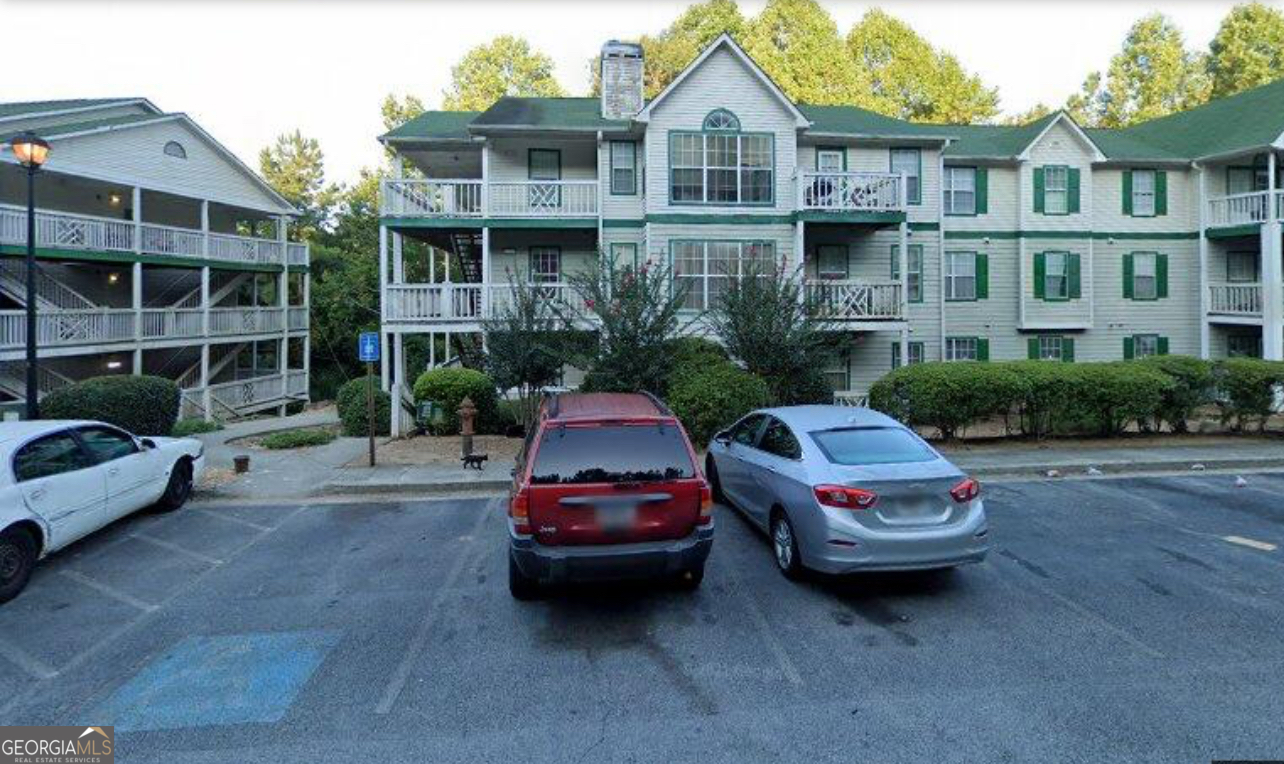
x=723, y=81
x=1061, y=143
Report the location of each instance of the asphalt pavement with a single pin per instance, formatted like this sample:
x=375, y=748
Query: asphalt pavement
x=1116, y=620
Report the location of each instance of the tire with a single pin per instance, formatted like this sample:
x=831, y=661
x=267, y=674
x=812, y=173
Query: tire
x=521, y=586
x=18, y=552
x=715, y=485
x=690, y=579
x=179, y=488
x=784, y=546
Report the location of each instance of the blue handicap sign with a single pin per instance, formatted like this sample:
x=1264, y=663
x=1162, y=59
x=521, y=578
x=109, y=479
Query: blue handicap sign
x=368, y=346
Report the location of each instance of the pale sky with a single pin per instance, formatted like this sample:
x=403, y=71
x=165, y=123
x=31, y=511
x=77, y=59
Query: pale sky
x=248, y=70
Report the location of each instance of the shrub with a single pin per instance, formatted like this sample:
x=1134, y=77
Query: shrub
x=350, y=400
x=1113, y=395
x=1246, y=389
x=300, y=438
x=449, y=386
x=193, y=426
x=143, y=405
x=947, y=396
x=1194, y=385
x=692, y=354
x=714, y=397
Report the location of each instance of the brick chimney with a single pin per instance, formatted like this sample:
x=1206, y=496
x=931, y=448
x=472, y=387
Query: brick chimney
x=621, y=71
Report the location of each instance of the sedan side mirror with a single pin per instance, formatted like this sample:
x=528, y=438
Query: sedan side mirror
x=723, y=437
x=147, y=443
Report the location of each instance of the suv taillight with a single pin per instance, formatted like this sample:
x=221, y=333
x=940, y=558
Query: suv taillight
x=842, y=497
x=706, y=504
x=966, y=491
x=519, y=508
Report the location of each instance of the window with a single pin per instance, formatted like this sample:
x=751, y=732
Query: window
x=831, y=159
x=915, y=270
x=625, y=254
x=1050, y=348
x=777, y=440
x=721, y=119
x=910, y=162
x=1143, y=193
x=704, y=267
x=104, y=444
x=960, y=191
x=1056, y=275
x=611, y=454
x=546, y=265
x=746, y=431
x=1244, y=346
x=175, y=149
x=1056, y=190
x=723, y=167
x=915, y=353
x=1241, y=267
x=871, y=445
x=48, y=456
x=831, y=261
x=960, y=276
x=624, y=169
x=1244, y=180
x=1145, y=345
x=962, y=349
x=1145, y=276
x=544, y=164
x=837, y=372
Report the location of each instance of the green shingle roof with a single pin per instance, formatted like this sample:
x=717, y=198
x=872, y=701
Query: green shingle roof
x=1248, y=120
x=549, y=113
x=19, y=108
x=434, y=125
x=996, y=140
x=67, y=128
x=851, y=120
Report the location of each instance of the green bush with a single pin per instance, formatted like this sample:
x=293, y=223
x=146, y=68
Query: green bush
x=143, y=405
x=193, y=426
x=351, y=402
x=688, y=355
x=1045, y=401
x=300, y=438
x=1246, y=389
x=947, y=396
x=1194, y=385
x=1114, y=395
x=714, y=397
x=450, y=386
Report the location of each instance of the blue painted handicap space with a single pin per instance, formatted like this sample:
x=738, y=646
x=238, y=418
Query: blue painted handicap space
x=227, y=679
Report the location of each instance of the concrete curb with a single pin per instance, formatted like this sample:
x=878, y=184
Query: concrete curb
x=346, y=488
x=1079, y=469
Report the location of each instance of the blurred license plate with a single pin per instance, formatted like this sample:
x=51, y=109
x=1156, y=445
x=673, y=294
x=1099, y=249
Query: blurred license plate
x=616, y=518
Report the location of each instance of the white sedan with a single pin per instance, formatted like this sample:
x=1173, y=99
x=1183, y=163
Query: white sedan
x=62, y=480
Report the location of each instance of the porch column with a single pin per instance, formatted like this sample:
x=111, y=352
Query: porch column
x=283, y=302
x=902, y=257
x=136, y=301
x=800, y=258
x=206, y=401
x=205, y=301
x=1272, y=275
x=385, y=383
x=307, y=334
x=137, y=215
x=485, y=268
x=1204, y=329
x=399, y=359
x=383, y=306
x=485, y=186
x=205, y=227
x=398, y=260
x=137, y=361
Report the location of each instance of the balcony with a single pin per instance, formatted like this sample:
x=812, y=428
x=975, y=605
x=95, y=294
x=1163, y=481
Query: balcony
x=243, y=396
x=477, y=199
x=58, y=230
x=1235, y=300
x=69, y=328
x=851, y=192
x=833, y=300
x=1243, y=209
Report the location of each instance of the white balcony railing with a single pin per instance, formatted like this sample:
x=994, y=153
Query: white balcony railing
x=296, y=254
x=245, y=393
x=468, y=198
x=1235, y=299
x=224, y=321
x=432, y=198
x=850, y=192
x=56, y=230
x=853, y=300
x=1238, y=209
x=433, y=302
x=168, y=240
x=296, y=383
x=543, y=199
x=68, y=327
x=245, y=249
x=172, y=324
x=298, y=318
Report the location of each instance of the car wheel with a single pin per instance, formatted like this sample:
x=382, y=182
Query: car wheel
x=17, y=560
x=715, y=484
x=784, y=544
x=520, y=585
x=690, y=579
x=179, y=488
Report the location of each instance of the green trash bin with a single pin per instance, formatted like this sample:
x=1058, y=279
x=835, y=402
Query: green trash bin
x=431, y=416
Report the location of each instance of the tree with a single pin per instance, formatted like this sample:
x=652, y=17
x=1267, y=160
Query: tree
x=506, y=66
x=295, y=167
x=665, y=55
x=1038, y=111
x=1152, y=76
x=910, y=79
x=398, y=111
x=1088, y=105
x=796, y=43
x=524, y=345
x=1248, y=49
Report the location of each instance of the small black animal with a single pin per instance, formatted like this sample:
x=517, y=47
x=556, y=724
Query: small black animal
x=475, y=461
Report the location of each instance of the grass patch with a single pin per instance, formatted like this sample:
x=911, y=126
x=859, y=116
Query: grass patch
x=301, y=438
x=194, y=426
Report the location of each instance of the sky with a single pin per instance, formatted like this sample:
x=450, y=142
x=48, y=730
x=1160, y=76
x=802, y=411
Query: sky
x=249, y=70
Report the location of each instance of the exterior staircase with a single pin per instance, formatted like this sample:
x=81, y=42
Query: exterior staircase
x=13, y=380
x=51, y=294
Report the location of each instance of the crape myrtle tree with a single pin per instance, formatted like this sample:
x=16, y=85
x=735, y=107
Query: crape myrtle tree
x=526, y=344
x=766, y=324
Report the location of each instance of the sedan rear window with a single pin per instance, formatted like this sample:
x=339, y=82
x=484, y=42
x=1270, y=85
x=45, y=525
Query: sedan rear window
x=871, y=445
x=611, y=454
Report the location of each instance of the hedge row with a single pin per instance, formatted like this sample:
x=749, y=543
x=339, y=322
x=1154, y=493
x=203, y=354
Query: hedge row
x=144, y=405
x=1041, y=398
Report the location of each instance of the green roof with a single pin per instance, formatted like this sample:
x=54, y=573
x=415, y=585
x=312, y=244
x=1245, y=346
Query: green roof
x=549, y=113
x=19, y=108
x=434, y=125
x=67, y=128
x=851, y=120
x=996, y=140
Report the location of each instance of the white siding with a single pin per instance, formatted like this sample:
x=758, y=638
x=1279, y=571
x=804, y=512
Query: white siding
x=509, y=157
x=1183, y=202
x=1059, y=146
x=622, y=206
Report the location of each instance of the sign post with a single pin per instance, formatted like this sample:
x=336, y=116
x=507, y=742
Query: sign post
x=368, y=351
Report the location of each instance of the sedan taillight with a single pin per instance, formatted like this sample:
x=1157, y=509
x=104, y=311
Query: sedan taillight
x=706, y=505
x=842, y=497
x=966, y=491
x=519, y=508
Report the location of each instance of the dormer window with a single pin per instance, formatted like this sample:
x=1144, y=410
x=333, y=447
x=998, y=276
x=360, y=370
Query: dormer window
x=176, y=150
x=721, y=119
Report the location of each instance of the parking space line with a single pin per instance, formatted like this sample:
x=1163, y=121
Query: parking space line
x=1262, y=546
x=232, y=519
x=163, y=544
x=765, y=631
x=106, y=589
x=26, y=661
x=416, y=647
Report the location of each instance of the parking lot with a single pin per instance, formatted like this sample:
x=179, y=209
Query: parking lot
x=1129, y=619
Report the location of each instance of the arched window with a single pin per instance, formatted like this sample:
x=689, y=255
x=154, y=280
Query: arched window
x=176, y=150
x=721, y=119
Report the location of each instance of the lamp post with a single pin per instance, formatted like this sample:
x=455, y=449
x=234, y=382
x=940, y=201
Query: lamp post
x=31, y=151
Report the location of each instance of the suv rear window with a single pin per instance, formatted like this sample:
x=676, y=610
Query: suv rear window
x=611, y=454
x=871, y=445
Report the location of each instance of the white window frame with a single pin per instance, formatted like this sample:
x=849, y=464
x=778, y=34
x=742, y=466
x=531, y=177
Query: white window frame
x=545, y=265
x=624, y=164
x=1232, y=277
x=915, y=280
x=832, y=274
x=961, y=349
x=838, y=366
x=1143, y=199
x=960, y=185
x=913, y=178
x=1145, y=345
x=704, y=282
x=917, y=352
x=628, y=249
x=1139, y=278
x=1051, y=347
x=960, y=269
x=1062, y=192
x=1048, y=275
x=830, y=151
x=1243, y=346
x=741, y=148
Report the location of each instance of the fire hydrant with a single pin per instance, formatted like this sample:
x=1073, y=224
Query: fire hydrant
x=467, y=416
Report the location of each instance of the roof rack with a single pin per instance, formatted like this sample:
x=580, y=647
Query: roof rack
x=659, y=404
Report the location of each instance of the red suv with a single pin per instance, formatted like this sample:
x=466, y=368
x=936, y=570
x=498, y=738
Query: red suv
x=606, y=487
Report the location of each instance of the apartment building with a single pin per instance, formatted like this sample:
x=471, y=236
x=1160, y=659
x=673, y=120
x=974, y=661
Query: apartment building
x=915, y=242
x=158, y=252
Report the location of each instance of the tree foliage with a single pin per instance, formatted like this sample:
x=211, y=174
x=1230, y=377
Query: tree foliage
x=295, y=167
x=525, y=347
x=506, y=66
x=1248, y=49
x=796, y=43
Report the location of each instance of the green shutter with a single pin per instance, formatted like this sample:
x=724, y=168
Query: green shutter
x=1127, y=277
x=1038, y=190
x=1127, y=192
x=896, y=355
x=1128, y=349
x=1161, y=192
x=982, y=349
x=1032, y=348
x=1161, y=276
x=1072, y=275
x=1040, y=275
x=1072, y=191
x=1162, y=344
x=982, y=277
x=982, y=190
x=896, y=262
x=1067, y=349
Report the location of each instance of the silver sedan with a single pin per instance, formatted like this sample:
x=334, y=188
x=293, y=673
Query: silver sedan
x=841, y=489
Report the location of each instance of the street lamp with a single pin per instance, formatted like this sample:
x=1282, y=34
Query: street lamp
x=31, y=151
